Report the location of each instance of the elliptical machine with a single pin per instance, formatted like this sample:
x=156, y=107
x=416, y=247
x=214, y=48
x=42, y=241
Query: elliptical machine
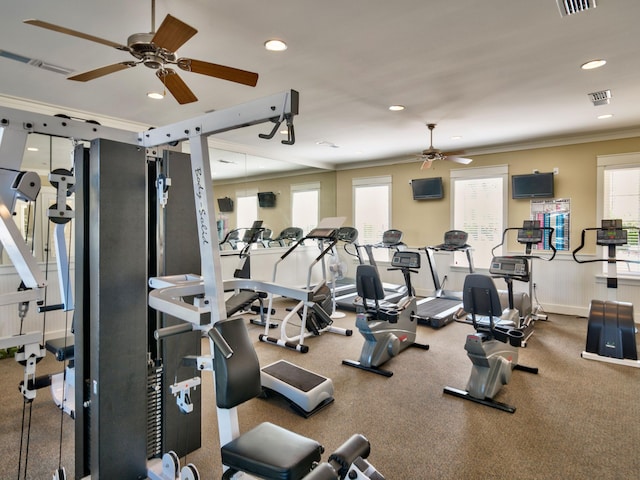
x=531, y=233
x=611, y=329
x=493, y=350
x=387, y=328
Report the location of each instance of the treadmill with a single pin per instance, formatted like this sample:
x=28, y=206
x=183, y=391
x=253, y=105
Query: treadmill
x=440, y=308
x=391, y=239
x=347, y=236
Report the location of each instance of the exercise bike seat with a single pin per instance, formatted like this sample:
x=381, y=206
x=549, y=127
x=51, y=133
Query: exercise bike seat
x=481, y=299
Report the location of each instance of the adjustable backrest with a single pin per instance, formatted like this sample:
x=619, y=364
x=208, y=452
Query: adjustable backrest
x=237, y=377
x=480, y=297
x=368, y=284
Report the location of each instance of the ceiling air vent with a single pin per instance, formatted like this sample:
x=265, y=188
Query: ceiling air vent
x=602, y=97
x=569, y=7
x=34, y=62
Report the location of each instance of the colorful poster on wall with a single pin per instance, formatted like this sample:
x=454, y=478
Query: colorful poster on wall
x=553, y=214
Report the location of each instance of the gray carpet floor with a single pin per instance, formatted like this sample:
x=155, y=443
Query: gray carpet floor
x=576, y=419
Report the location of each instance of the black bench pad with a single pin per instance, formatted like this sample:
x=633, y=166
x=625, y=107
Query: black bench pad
x=272, y=452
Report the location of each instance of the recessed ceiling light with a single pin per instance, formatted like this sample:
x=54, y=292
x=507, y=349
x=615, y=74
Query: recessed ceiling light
x=456, y=137
x=275, y=45
x=155, y=95
x=605, y=116
x=590, y=65
x=396, y=108
x=32, y=149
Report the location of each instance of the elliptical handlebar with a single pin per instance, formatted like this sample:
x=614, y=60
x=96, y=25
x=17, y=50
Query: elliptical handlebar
x=611, y=243
x=549, y=231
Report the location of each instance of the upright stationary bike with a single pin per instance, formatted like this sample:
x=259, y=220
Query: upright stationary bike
x=387, y=328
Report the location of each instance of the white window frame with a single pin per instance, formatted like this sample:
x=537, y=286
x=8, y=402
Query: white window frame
x=497, y=171
x=380, y=255
x=604, y=163
x=245, y=194
x=300, y=188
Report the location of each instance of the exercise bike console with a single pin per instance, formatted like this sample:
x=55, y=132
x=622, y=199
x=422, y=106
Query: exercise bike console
x=515, y=268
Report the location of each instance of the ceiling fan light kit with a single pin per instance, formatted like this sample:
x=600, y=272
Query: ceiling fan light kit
x=156, y=50
x=432, y=154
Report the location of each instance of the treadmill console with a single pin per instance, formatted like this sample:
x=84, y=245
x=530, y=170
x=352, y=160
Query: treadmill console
x=530, y=232
x=322, y=233
x=453, y=240
x=347, y=234
x=510, y=267
x=391, y=238
x=406, y=259
x=251, y=235
x=611, y=233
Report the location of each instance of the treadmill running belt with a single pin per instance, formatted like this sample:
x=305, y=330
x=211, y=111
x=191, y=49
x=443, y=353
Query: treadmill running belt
x=436, y=306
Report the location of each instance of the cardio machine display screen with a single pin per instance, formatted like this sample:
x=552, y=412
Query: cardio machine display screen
x=531, y=235
x=611, y=236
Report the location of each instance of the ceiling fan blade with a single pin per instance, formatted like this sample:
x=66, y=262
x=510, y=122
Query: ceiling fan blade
x=218, y=71
x=173, y=33
x=75, y=33
x=463, y=161
x=176, y=86
x=101, y=72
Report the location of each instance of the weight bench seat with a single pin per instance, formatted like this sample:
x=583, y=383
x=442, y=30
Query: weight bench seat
x=241, y=300
x=272, y=452
x=62, y=348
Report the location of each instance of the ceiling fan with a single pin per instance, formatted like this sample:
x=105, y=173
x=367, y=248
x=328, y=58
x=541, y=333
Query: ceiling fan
x=156, y=50
x=431, y=154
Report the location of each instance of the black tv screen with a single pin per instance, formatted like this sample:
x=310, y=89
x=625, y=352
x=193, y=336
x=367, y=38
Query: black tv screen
x=225, y=205
x=533, y=185
x=266, y=199
x=427, y=188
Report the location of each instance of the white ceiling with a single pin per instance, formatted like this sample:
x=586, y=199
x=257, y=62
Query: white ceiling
x=494, y=72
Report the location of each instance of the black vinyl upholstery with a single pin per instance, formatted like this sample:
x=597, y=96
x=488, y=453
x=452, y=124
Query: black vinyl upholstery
x=368, y=283
x=237, y=377
x=480, y=297
x=268, y=451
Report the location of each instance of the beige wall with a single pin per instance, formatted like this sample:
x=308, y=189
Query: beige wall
x=424, y=222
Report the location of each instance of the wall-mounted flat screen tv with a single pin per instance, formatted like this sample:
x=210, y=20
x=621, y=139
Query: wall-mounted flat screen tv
x=533, y=185
x=266, y=199
x=427, y=188
x=225, y=205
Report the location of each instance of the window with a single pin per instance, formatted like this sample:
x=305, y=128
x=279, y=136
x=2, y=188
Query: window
x=372, y=211
x=246, y=209
x=304, y=206
x=619, y=198
x=479, y=208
